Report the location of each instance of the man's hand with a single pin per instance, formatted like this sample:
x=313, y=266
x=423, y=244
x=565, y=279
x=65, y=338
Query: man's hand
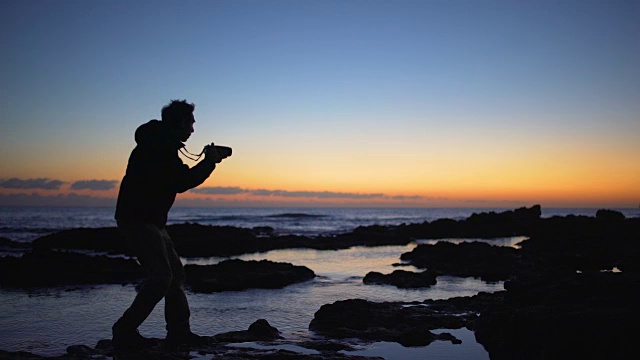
x=211, y=153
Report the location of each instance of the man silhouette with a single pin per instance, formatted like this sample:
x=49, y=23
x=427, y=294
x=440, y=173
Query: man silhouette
x=155, y=174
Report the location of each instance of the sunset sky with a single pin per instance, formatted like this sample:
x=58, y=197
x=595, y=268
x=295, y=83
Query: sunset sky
x=447, y=103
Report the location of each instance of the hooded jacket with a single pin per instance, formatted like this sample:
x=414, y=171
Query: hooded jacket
x=155, y=174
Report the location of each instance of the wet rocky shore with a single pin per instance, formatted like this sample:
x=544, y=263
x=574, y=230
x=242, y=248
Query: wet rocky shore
x=571, y=288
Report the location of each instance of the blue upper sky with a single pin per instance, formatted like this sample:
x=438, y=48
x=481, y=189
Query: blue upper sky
x=271, y=76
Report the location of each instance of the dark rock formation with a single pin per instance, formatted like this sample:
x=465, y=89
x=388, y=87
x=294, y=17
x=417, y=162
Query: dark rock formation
x=6, y=243
x=609, y=215
x=562, y=315
x=564, y=301
x=406, y=323
x=483, y=225
x=15, y=248
x=472, y=259
x=239, y=275
x=95, y=239
x=190, y=240
x=194, y=240
x=44, y=268
x=47, y=268
x=584, y=243
x=402, y=279
x=260, y=330
x=214, y=346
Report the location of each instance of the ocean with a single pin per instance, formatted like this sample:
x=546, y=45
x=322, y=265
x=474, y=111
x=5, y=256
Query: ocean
x=47, y=321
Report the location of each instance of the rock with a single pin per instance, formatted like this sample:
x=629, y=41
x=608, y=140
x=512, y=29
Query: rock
x=14, y=248
x=80, y=350
x=262, y=231
x=472, y=259
x=190, y=240
x=402, y=279
x=255, y=354
x=96, y=239
x=46, y=268
x=482, y=225
x=583, y=243
x=260, y=330
x=6, y=243
x=195, y=240
x=560, y=303
x=213, y=347
x=22, y=355
x=239, y=275
x=562, y=316
x=423, y=337
x=609, y=215
x=406, y=323
x=41, y=268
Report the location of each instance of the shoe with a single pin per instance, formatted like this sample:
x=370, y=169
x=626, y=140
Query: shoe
x=184, y=338
x=125, y=338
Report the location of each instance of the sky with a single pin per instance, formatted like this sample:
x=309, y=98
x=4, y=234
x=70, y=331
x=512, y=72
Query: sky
x=451, y=103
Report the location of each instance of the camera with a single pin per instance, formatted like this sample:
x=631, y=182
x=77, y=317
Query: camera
x=224, y=151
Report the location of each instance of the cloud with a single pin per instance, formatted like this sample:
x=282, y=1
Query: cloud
x=407, y=197
x=219, y=190
x=71, y=199
x=94, y=185
x=315, y=194
x=40, y=183
x=297, y=194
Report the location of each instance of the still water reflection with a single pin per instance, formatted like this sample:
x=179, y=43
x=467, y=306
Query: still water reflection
x=47, y=321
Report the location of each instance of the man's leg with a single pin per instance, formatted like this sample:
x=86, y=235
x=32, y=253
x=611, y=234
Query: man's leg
x=148, y=243
x=176, y=306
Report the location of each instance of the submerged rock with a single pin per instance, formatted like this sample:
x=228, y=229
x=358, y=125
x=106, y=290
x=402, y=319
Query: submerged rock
x=402, y=279
x=406, y=323
x=13, y=248
x=8, y=244
x=239, y=275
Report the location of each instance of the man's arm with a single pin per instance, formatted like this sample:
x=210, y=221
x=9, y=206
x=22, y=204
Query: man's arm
x=188, y=178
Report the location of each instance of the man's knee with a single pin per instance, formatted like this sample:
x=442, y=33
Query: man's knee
x=179, y=277
x=159, y=282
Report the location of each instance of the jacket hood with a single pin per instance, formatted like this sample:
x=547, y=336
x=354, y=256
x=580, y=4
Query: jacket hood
x=156, y=133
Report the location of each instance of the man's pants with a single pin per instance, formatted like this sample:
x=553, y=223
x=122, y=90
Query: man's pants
x=164, y=277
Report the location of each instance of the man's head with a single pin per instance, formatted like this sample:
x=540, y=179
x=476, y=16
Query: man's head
x=178, y=114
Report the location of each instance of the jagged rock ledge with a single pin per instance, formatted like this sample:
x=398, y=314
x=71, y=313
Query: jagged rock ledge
x=467, y=259
x=218, y=347
x=402, y=279
x=48, y=268
x=195, y=240
x=409, y=324
x=239, y=274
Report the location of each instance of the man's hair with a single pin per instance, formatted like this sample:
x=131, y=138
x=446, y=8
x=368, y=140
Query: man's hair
x=177, y=110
